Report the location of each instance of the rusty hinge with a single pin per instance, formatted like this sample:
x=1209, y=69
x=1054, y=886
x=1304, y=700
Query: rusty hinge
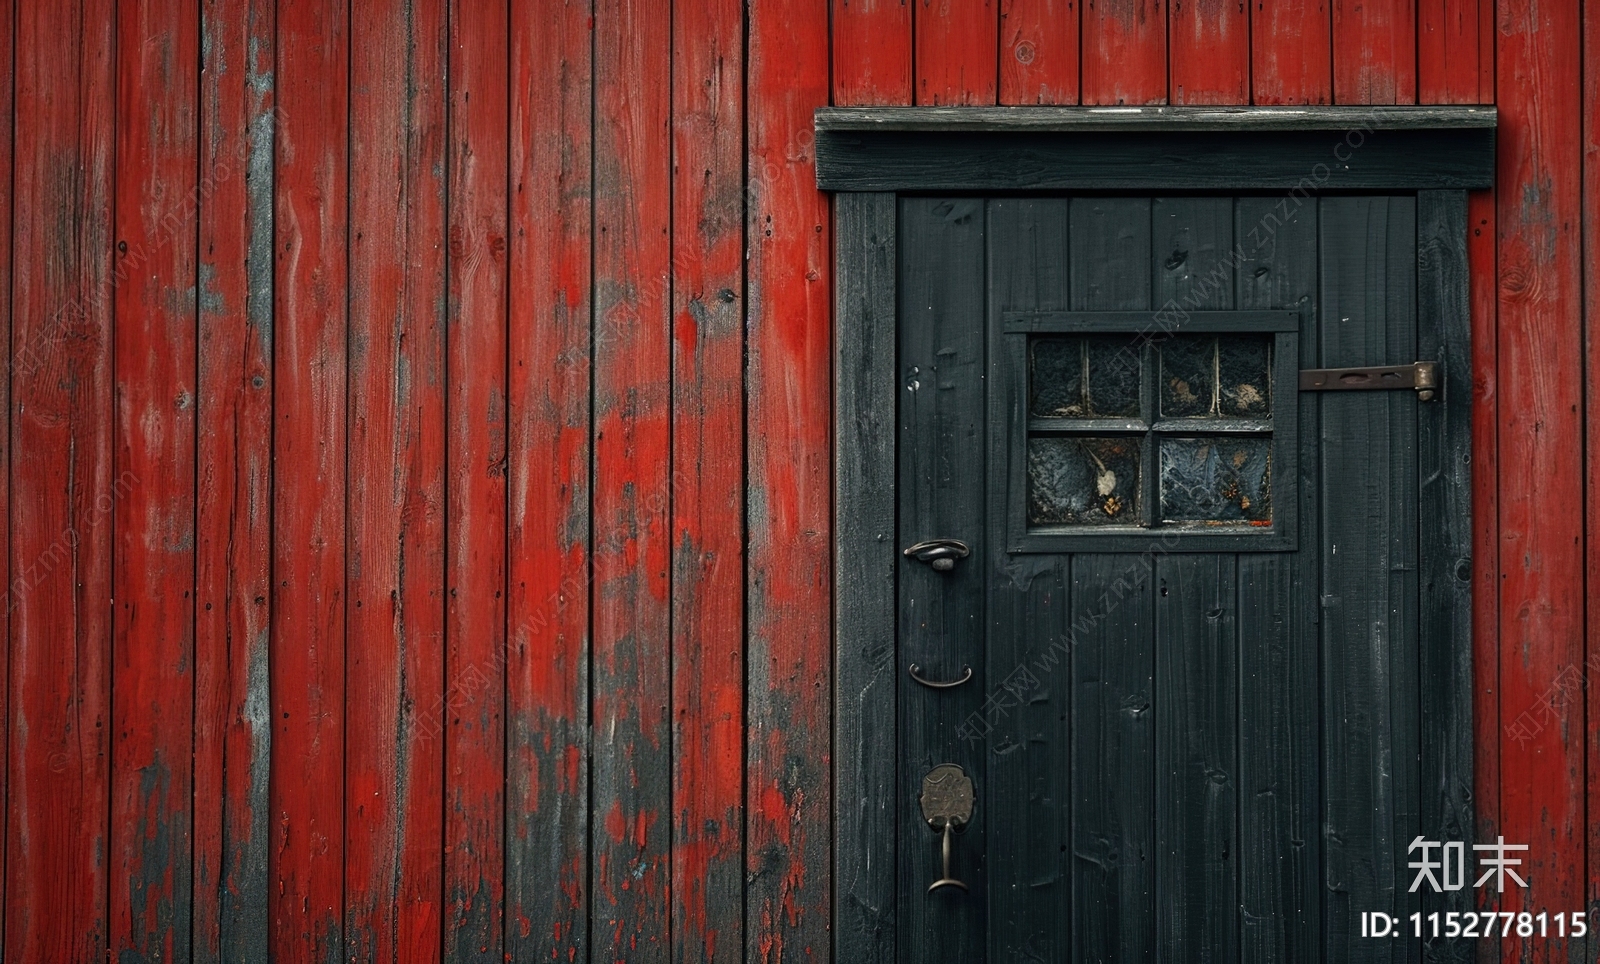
x=1422, y=376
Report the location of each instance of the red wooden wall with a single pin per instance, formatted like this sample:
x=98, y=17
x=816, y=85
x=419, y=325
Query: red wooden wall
x=418, y=433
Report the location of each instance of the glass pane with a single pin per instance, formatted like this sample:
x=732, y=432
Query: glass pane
x=1056, y=378
x=1244, y=364
x=1216, y=480
x=1188, y=375
x=1083, y=481
x=1113, y=377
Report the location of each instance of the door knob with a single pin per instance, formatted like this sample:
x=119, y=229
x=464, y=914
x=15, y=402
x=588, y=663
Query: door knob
x=947, y=801
x=941, y=554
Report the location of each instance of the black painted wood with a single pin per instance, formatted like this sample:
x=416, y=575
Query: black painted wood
x=1444, y=434
x=1280, y=832
x=1305, y=162
x=1113, y=741
x=1192, y=268
x=865, y=680
x=1369, y=577
x=1029, y=661
x=941, y=614
x=1170, y=315
x=1310, y=117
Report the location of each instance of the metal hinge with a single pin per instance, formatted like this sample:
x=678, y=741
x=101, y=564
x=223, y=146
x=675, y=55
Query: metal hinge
x=1422, y=376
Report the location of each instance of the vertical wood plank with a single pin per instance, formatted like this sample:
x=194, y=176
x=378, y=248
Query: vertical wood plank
x=1192, y=257
x=548, y=465
x=1444, y=429
x=1196, y=685
x=394, y=570
x=1291, y=43
x=62, y=494
x=1481, y=238
x=1028, y=772
x=940, y=286
x=866, y=675
x=1374, y=51
x=308, y=602
x=233, y=548
x=788, y=598
x=8, y=116
x=1369, y=573
x=1124, y=54
x=1210, y=51
x=475, y=516
x=1450, y=48
x=1280, y=879
x=1039, y=51
x=956, y=46
x=708, y=482
x=871, y=45
x=153, y=340
x=631, y=808
x=1113, y=661
x=1539, y=182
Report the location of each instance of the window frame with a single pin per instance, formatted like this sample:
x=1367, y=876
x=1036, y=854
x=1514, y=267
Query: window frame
x=1009, y=415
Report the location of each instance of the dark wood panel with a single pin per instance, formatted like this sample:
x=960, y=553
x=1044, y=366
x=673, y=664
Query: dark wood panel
x=1029, y=787
x=1280, y=882
x=1239, y=119
x=890, y=160
x=1369, y=578
x=1196, y=740
x=941, y=615
x=866, y=670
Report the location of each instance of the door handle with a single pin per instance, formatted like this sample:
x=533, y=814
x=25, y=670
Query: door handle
x=916, y=674
x=941, y=554
x=947, y=800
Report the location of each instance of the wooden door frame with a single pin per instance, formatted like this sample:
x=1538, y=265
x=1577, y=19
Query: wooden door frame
x=868, y=156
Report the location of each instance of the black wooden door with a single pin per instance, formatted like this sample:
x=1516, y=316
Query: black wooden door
x=1194, y=613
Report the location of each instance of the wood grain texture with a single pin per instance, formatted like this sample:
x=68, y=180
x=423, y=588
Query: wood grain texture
x=941, y=616
x=1369, y=574
x=1124, y=57
x=1455, y=52
x=475, y=504
x=548, y=463
x=866, y=674
x=62, y=490
x=1374, y=51
x=1444, y=437
x=307, y=659
x=1028, y=774
x=631, y=782
x=395, y=539
x=1540, y=357
x=1291, y=52
x=1209, y=55
x=871, y=49
x=707, y=481
x=955, y=50
x=233, y=548
x=1280, y=801
x=153, y=340
x=788, y=390
x=1039, y=47
x=8, y=114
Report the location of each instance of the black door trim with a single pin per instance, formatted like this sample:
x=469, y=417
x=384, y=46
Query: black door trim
x=865, y=682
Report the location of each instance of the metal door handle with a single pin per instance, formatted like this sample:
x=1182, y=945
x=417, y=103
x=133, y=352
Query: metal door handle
x=916, y=674
x=947, y=801
x=941, y=554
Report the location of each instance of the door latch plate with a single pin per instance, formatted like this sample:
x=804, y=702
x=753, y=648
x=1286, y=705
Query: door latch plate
x=1422, y=376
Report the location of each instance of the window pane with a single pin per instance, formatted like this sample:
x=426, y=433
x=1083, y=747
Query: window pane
x=1056, y=378
x=1244, y=364
x=1188, y=375
x=1113, y=376
x=1216, y=480
x=1083, y=481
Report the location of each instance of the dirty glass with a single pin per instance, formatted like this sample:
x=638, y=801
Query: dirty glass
x=1083, y=480
x=1188, y=375
x=1211, y=376
x=1056, y=380
x=1096, y=376
x=1222, y=479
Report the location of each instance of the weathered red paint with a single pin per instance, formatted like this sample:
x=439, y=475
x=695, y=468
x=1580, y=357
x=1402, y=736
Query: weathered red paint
x=431, y=781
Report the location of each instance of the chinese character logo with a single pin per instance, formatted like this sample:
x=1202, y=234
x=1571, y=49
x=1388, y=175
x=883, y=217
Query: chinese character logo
x=1448, y=871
